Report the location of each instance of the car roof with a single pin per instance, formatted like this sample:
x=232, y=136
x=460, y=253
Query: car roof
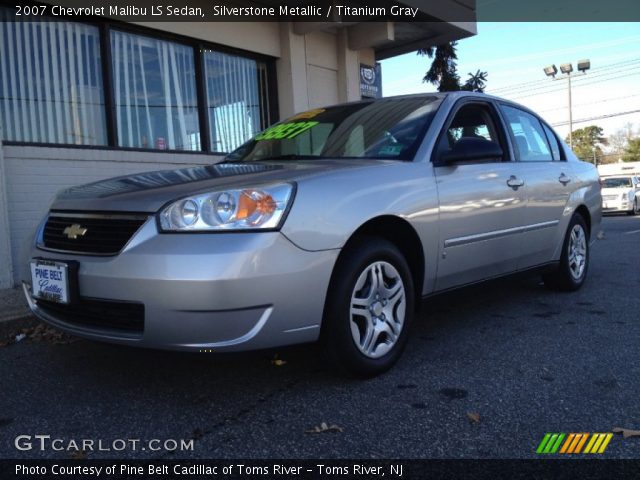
x=442, y=95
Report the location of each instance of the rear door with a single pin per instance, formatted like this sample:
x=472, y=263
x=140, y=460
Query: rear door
x=481, y=203
x=548, y=178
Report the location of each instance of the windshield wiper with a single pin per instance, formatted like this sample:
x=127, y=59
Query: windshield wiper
x=288, y=156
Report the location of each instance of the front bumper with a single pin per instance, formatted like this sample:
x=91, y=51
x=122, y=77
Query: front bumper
x=220, y=292
x=611, y=206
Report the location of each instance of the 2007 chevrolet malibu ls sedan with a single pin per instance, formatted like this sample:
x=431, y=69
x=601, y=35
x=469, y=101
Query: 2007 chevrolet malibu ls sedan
x=329, y=226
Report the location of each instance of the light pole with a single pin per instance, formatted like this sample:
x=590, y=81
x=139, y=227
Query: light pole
x=567, y=69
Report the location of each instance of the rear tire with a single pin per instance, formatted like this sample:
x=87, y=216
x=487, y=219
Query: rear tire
x=572, y=271
x=369, y=308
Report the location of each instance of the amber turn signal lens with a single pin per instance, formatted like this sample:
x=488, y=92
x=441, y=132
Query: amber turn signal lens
x=255, y=204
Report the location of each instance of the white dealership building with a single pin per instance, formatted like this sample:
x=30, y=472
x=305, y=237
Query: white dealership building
x=85, y=100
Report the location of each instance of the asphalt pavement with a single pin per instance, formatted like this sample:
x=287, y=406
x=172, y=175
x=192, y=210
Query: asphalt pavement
x=488, y=371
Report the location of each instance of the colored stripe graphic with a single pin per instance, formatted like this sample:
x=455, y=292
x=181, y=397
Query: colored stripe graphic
x=566, y=445
x=605, y=443
x=591, y=443
x=581, y=443
x=556, y=445
x=543, y=443
x=550, y=443
x=598, y=442
x=574, y=443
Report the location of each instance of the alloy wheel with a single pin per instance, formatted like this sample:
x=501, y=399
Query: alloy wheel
x=378, y=307
x=577, y=253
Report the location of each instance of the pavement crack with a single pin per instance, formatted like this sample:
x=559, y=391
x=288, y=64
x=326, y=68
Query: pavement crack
x=199, y=434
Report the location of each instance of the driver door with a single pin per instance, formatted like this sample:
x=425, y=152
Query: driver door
x=481, y=202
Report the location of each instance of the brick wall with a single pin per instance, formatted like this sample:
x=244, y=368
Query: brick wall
x=35, y=174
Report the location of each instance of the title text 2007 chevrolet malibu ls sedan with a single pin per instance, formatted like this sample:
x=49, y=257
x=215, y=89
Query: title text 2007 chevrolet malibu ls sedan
x=330, y=226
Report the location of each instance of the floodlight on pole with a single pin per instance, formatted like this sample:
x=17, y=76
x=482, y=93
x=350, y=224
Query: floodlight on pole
x=584, y=65
x=567, y=69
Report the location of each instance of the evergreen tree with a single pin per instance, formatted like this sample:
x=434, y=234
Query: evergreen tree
x=587, y=141
x=444, y=70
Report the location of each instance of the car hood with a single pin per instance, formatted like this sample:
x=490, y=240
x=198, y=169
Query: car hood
x=150, y=191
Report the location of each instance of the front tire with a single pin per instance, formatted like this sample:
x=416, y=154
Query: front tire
x=634, y=210
x=574, y=261
x=369, y=307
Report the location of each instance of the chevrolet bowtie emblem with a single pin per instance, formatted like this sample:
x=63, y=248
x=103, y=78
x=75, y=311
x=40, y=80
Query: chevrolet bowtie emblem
x=74, y=231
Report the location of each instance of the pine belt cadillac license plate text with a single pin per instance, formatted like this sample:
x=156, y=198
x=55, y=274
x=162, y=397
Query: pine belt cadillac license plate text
x=50, y=280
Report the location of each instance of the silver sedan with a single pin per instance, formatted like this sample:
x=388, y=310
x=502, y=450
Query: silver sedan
x=332, y=225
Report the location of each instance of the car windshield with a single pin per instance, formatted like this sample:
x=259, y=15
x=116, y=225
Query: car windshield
x=388, y=129
x=617, y=182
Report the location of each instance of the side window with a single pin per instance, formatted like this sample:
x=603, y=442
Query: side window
x=530, y=139
x=553, y=141
x=471, y=121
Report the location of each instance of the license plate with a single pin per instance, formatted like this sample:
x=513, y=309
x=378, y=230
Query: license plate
x=50, y=280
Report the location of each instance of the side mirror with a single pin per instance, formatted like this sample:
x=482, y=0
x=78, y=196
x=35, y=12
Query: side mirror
x=471, y=148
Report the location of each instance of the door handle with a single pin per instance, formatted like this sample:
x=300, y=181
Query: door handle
x=515, y=182
x=563, y=179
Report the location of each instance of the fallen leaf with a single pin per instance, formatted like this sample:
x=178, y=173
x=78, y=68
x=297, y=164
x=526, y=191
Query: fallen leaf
x=20, y=337
x=78, y=455
x=323, y=428
x=277, y=361
x=626, y=433
x=474, y=417
x=44, y=333
x=601, y=235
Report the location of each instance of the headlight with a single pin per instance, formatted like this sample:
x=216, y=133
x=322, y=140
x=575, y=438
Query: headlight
x=239, y=209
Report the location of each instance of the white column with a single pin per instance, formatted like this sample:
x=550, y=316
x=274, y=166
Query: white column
x=292, y=72
x=348, y=70
x=6, y=265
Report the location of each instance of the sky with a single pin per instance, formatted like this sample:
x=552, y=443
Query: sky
x=514, y=55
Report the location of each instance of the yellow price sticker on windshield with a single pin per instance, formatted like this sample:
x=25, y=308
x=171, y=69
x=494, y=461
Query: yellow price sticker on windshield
x=285, y=130
x=308, y=114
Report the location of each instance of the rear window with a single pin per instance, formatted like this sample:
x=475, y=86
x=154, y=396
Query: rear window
x=616, y=182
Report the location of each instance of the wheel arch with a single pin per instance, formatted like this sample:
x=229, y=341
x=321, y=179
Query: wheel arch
x=584, y=212
x=402, y=234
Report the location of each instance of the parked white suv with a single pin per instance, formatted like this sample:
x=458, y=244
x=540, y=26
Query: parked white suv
x=621, y=194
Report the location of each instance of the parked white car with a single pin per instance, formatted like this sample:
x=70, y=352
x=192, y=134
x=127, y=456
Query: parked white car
x=621, y=194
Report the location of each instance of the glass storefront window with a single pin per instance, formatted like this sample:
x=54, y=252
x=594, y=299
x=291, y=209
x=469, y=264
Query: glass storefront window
x=51, y=88
x=234, y=88
x=154, y=92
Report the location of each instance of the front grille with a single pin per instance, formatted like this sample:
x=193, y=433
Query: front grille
x=105, y=234
x=127, y=317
